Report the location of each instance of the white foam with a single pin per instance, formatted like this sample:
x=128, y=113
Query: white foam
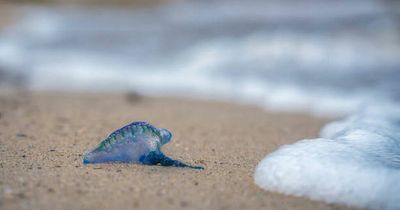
x=356, y=162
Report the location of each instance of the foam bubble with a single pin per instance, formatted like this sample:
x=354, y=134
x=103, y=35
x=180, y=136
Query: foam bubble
x=356, y=162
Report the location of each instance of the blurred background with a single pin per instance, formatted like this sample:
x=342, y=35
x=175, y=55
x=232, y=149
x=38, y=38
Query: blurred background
x=324, y=57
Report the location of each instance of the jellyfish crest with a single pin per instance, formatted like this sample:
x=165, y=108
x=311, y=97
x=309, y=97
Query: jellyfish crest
x=165, y=136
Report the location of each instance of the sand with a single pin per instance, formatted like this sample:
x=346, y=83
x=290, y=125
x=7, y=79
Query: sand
x=43, y=137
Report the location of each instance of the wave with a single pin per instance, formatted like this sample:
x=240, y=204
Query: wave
x=356, y=162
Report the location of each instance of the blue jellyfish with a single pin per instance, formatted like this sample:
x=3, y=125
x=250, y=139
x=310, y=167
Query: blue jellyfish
x=138, y=142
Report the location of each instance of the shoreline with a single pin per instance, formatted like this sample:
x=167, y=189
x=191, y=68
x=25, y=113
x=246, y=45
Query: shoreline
x=44, y=134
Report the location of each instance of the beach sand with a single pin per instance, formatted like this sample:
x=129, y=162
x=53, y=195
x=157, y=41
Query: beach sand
x=44, y=135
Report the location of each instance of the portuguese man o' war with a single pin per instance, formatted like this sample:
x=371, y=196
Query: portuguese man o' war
x=138, y=142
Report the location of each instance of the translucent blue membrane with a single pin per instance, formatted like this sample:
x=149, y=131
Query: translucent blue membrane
x=138, y=142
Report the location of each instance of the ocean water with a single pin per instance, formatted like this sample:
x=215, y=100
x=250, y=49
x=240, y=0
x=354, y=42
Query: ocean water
x=327, y=58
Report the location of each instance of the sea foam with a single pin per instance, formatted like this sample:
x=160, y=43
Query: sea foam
x=355, y=162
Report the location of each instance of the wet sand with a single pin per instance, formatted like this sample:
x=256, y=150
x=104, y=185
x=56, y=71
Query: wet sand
x=44, y=135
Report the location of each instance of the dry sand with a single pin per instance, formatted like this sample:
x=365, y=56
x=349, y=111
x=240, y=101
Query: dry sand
x=43, y=137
